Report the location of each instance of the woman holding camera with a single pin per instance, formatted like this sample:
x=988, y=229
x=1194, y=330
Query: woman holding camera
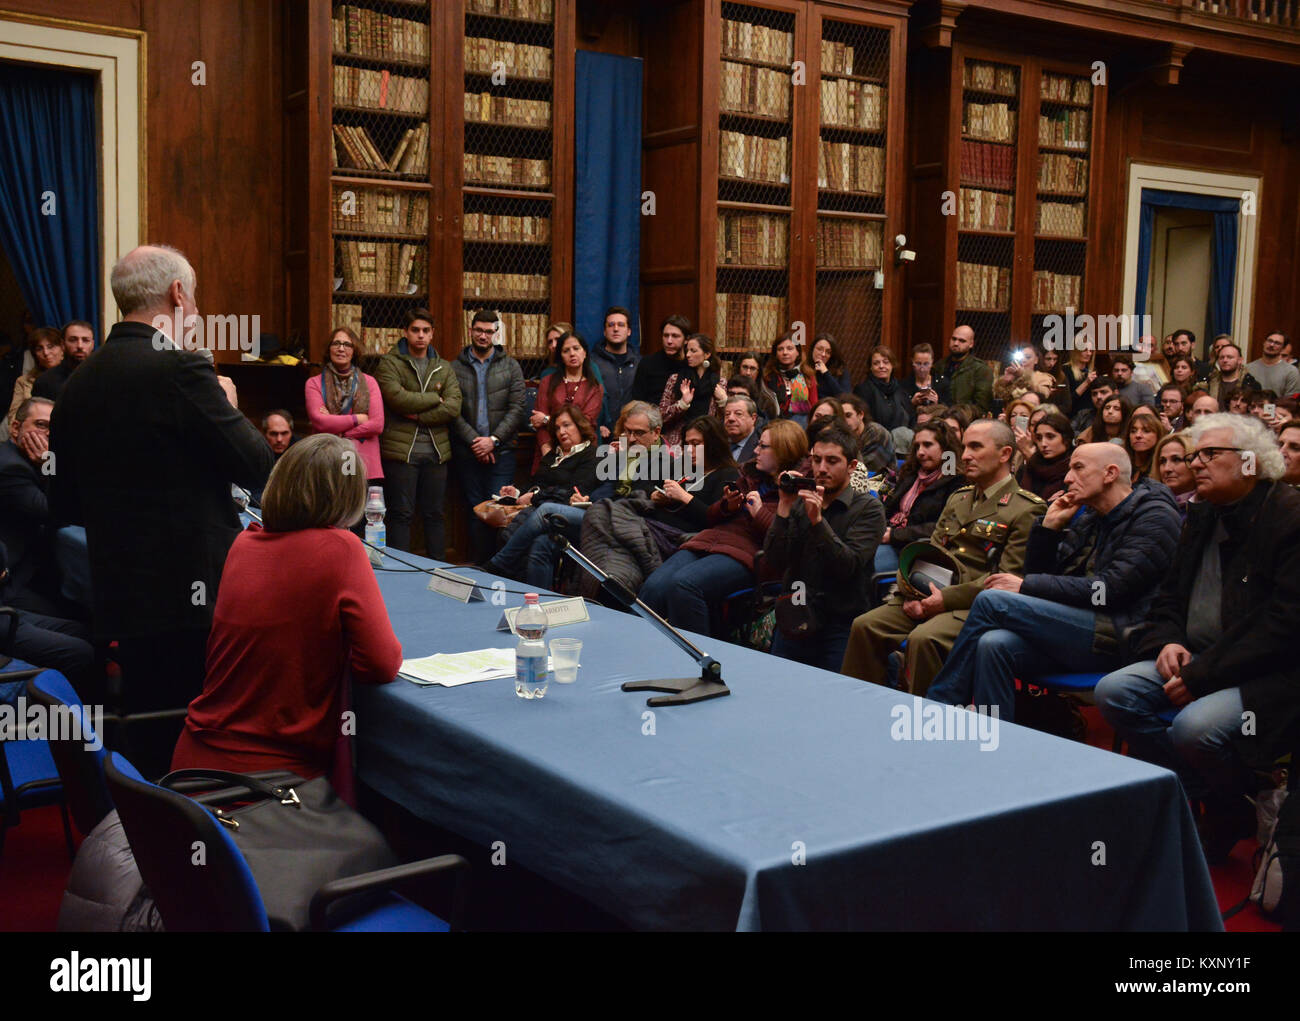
x=720, y=559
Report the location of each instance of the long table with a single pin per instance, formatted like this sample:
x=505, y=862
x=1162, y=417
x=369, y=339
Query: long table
x=804, y=800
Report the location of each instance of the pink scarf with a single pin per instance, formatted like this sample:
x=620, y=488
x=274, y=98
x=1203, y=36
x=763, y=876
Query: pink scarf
x=923, y=482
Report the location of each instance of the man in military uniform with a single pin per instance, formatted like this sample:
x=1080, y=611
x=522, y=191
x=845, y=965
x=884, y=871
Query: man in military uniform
x=985, y=527
x=969, y=379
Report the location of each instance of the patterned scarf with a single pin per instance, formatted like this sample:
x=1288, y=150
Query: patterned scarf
x=344, y=395
x=923, y=481
x=799, y=403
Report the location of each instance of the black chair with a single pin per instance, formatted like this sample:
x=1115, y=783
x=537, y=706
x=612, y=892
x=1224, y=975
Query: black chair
x=163, y=826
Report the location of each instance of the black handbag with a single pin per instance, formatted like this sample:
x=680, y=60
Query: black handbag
x=796, y=620
x=296, y=835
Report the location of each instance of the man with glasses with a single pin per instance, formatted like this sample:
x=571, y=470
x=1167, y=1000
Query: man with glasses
x=969, y=379
x=1219, y=644
x=617, y=366
x=921, y=387
x=491, y=415
x=1170, y=406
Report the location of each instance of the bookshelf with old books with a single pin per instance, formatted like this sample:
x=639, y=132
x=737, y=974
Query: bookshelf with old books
x=801, y=108
x=1010, y=243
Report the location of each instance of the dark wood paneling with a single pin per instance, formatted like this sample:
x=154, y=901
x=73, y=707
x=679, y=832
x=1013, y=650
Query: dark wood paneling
x=610, y=26
x=118, y=13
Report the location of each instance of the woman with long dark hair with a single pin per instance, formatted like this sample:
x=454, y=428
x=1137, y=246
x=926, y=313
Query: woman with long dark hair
x=1045, y=470
x=832, y=376
x=928, y=477
x=685, y=502
x=689, y=392
x=790, y=377
x=575, y=384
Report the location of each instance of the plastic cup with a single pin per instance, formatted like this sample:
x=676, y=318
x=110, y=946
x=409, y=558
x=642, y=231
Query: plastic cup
x=565, y=655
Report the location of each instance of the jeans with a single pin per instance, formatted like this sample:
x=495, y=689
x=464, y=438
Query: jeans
x=1009, y=635
x=886, y=559
x=531, y=549
x=422, y=485
x=825, y=649
x=479, y=482
x=1197, y=745
x=688, y=583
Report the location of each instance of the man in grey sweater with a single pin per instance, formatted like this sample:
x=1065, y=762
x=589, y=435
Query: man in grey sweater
x=1272, y=372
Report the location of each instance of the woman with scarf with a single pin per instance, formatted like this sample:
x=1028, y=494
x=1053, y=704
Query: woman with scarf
x=1045, y=469
x=931, y=473
x=889, y=402
x=689, y=392
x=574, y=383
x=345, y=401
x=789, y=376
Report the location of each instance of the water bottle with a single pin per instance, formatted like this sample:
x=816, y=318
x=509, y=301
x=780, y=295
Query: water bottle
x=376, y=534
x=531, y=675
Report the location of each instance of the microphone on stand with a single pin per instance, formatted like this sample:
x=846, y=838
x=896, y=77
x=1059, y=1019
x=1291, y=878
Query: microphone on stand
x=683, y=690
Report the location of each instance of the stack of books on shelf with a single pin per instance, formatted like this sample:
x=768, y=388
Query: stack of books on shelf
x=753, y=158
x=745, y=88
x=848, y=244
x=850, y=104
x=366, y=33
x=354, y=149
x=529, y=10
x=524, y=333
x=983, y=288
x=748, y=41
x=845, y=167
x=381, y=211
x=1067, y=129
x=485, y=108
x=988, y=166
x=512, y=170
x=367, y=89
x=380, y=267
x=1065, y=88
x=837, y=58
x=519, y=59
x=501, y=227
x=753, y=239
x=486, y=286
x=750, y=320
x=976, y=74
x=993, y=121
x=1055, y=292
x=1065, y=174
x=985, y=210
x=1065, y=218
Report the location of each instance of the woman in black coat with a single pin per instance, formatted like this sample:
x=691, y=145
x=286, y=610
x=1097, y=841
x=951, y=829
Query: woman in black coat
x=685, y=503
x=832, y=375
x=885, y=396
x=928, y=477
x=689, y=392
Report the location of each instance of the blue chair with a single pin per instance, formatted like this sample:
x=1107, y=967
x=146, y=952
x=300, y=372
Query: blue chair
x=163, y=825
x=80, y=762
x=28, y=775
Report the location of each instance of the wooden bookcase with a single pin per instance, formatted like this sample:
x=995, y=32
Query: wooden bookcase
x=431, y=168
x=795, y=141
x=1010, y=245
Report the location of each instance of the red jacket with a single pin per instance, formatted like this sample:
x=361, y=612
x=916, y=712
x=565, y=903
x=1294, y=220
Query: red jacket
x=294, y=612
x=588, y=399
x=739, y=535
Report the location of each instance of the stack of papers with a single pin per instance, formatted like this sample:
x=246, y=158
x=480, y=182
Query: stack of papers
x=450, y=669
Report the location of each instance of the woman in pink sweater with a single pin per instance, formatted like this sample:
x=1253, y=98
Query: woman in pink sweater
x=345, y=401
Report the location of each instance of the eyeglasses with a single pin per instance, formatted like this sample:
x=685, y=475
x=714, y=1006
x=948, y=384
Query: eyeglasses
x=479, y=332
x=637, y=432
x=341, y=343
x=1207, y=454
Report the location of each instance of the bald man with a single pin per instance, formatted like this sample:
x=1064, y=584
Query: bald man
x=969, y=379
x=1086, y=579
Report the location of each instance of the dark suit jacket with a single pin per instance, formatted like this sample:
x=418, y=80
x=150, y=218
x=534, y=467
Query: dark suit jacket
x=146, y=447
x=747, y=451
x=24, y=515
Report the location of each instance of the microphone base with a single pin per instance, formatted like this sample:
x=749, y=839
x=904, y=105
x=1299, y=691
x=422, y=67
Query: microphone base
x=684, y=690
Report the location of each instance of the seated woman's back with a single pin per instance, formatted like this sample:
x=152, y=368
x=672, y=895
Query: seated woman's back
x=298, y=609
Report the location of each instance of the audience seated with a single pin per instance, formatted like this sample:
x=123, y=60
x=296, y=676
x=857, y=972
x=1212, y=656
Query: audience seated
x=1143, y=431
x=1289, y=441
x=299, y=612
x=1229, y=373
x=791, y=379
x=1170, y=400
x=1220, y=642
x=926, y=481
x=1136, y=392
x=568, y=468
x=46, y=346
x=740, y=424
x=984, y=527
x=1171, y=467
x=25, y=470
x=573, y=385
x=1087, y=577
x=1100, y=390
x=750, y=367
x=875, y=442
x=823, y=540
x=1044, y=472
x=833, y=378
x=1200, y=403
x=720, y=559
x=922, y=388
x=890, y=404
x=45, y=640
x=78, y=343
x=1272, y=370
x=1285, y=410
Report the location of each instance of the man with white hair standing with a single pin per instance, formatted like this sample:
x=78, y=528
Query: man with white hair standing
x=146, y=443
x=1220, y=645
x=1086, y=579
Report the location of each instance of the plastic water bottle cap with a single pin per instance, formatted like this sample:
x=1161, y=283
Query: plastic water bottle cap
x=530, y=597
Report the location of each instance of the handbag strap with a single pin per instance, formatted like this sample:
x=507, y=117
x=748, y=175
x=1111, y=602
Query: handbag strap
x=283, y=794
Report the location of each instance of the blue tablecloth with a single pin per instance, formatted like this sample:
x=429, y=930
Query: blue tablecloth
x=787, y=805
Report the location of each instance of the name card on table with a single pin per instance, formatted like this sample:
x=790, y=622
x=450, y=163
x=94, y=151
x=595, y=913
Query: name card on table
x=558, y=613
x=457, y=586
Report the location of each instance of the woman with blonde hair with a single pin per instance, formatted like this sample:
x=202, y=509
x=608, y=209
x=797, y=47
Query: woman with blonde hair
x=1079, y=371
x=298, y=611
x=1170, y=462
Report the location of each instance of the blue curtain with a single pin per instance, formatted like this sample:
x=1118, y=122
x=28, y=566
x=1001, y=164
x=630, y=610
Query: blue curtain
x=607, y=215
x=1223, y=248
x=49, y=190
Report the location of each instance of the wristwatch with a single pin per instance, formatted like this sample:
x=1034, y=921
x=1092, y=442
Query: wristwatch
x=496, y=442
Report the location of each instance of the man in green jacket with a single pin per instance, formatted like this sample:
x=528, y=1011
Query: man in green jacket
x=970, y=380
x=421, y=400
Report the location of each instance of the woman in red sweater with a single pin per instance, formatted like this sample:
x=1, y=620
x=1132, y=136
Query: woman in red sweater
x=720, y=559
x=298, y=610
x=574, y=383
